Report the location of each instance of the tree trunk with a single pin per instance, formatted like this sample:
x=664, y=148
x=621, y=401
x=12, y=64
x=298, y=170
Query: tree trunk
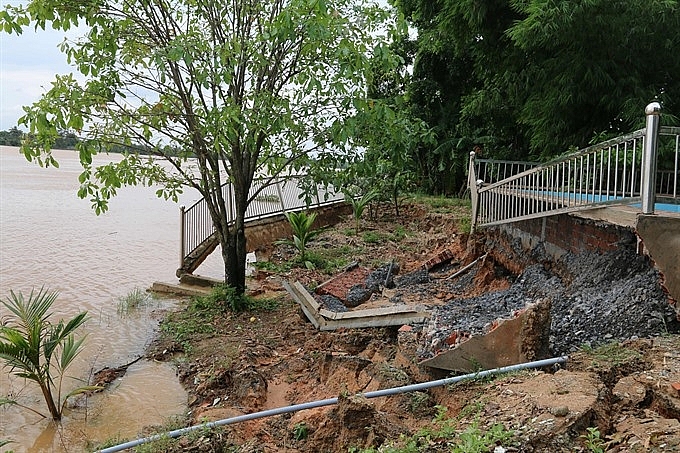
x=234, y=256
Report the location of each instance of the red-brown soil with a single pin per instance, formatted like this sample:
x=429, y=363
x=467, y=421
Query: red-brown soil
x=268, y=359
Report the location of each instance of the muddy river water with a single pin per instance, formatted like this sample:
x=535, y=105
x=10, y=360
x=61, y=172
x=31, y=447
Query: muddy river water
x=50, y=237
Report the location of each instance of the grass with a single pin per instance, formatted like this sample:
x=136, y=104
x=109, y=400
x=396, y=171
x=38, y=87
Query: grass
x=448, y=433
x=611, y=354
x=197, y=321
x=441, y=204
x=374, y=237
x=134, y=300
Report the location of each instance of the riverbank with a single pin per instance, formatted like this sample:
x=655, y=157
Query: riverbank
x=619, y=390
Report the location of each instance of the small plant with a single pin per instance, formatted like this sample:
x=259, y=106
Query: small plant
x=418, y=401
x=594, y=443
x=371, y=237
x=359, y=205
x=300, y=431
x=39, y=351
x=465, y=224
x=611, y=354
x=301, y=224
x=271, y=266
x=134, y=300
x=474, y=440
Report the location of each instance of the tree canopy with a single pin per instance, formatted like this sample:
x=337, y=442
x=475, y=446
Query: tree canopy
x=219, y=90
x=522, y=78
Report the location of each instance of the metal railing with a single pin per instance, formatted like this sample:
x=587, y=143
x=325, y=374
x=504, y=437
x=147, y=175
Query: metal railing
x=618, y=171
x=284, y=195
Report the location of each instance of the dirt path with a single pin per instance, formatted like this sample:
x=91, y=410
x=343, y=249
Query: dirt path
x=619, y=397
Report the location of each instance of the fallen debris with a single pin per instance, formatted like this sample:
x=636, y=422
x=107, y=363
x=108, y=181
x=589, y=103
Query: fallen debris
x=323, y=319
x=524, y=338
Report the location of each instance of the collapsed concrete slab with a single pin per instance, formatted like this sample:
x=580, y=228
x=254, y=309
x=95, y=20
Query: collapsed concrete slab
x=323, y=319
x=524, y=338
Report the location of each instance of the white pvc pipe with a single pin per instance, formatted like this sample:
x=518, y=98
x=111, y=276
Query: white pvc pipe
x=331, y=401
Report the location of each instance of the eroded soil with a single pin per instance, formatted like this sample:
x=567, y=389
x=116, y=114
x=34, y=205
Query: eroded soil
x=268, y=359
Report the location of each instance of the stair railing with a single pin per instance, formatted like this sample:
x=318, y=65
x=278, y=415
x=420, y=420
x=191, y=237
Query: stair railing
x=284, y=195
x=617, y=171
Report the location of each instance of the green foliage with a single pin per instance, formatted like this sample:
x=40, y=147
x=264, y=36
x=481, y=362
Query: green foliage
x=193, y=322
x=300, y=431
x=531, y=78
x=39, y=351
x=134, y=300
x=611, y=354
x=271, y=266
x=444, y=431
x=593, y=442
x=225, y=297
x=359, y=204
x=301, y=223
x=216, y=91
x=372, y=237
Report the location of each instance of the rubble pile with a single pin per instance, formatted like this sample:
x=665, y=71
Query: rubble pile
x=595, y=298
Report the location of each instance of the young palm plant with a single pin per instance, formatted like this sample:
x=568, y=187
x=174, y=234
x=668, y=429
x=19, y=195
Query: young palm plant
x=301, y=224
x=359, y=204
x=37, y=350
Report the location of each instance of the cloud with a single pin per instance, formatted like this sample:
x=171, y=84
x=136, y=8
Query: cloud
x=28, y=65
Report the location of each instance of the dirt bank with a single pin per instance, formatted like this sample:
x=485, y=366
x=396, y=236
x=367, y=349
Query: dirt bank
x=621, y=394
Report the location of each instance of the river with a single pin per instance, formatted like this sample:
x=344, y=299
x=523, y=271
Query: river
x=50, y=237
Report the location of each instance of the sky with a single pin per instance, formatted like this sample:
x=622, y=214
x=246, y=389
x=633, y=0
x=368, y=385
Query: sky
x=28, y=65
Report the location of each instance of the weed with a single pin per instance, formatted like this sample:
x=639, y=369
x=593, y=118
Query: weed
x=465, y=224
x=109, y=442
x=272, y=267
x=443, y=204
x=264, y=303
x=300, y=431
x=611, y=354
x=418, y=401
x=444, y=431
x=134, y=300
x=399, y=234
x=593, y=441
x=474, y=440
x=372, y=237
x=392, y=373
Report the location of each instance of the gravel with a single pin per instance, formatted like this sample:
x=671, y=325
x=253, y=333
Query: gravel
x=596, y=299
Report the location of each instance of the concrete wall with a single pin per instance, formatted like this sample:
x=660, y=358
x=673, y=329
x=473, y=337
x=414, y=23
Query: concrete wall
x=661, y=239
x=519, y=244
x=262, y=233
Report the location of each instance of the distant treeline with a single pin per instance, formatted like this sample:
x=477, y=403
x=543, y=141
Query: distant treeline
x=67, y=140
x=13, y=137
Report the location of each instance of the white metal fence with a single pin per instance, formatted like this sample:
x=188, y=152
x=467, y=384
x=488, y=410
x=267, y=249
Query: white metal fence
x=285, y=195
x=619, y=171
